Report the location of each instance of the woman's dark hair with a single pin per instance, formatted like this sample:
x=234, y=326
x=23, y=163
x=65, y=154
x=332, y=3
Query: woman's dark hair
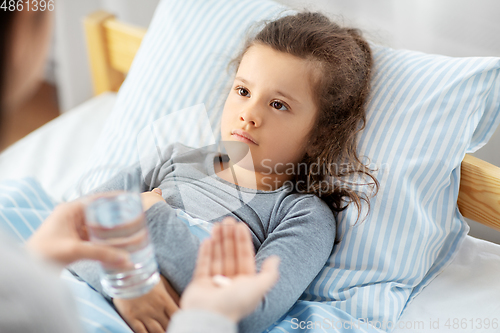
x=6, y=18
x=344, y=61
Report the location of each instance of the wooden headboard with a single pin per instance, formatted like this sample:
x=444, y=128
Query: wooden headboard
x=112, y=46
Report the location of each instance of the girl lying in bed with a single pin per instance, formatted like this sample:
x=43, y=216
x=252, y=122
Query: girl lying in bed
x=296, y=105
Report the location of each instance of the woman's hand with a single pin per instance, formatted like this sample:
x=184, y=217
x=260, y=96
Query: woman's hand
x=63, y=238
x=150, y=313
x=150, y=198
x=230, y=253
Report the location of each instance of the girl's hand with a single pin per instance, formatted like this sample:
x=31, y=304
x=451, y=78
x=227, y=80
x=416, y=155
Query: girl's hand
x=229, y=252
x=63, y=237
x=150, y=198
x=150, y=313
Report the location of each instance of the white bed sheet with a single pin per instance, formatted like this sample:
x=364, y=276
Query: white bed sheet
x=56, y=153
x=465, y=294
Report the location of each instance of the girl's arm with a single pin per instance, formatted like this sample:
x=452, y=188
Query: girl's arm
x=208, y=306
x=303, y=240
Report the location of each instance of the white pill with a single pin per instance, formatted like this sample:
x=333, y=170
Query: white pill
x=221, y=280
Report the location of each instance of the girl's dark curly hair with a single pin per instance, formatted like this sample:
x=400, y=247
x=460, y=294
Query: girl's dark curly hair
x=344, y=60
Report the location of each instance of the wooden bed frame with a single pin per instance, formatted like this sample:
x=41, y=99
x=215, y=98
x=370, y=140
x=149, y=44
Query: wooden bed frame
x=112, y=46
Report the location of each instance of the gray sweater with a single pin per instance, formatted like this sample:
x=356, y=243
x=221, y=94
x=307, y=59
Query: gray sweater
x=299, y=228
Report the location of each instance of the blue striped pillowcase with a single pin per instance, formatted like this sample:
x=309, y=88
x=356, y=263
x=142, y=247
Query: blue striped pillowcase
x=425, y=113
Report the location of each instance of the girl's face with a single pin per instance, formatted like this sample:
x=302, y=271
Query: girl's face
x=271, y=102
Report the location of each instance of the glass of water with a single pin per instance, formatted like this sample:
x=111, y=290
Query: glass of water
x=116, y=218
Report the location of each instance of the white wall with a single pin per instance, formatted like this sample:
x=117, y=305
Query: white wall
x=68, y=65
x=459, y=28
x=449, y=27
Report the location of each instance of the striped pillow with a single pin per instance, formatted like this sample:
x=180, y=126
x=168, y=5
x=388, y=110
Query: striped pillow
x=425, y=112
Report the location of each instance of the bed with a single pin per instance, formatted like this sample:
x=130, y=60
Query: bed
x=460, y=297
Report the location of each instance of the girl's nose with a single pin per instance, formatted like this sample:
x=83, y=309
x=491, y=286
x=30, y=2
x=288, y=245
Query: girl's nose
x=249, y=116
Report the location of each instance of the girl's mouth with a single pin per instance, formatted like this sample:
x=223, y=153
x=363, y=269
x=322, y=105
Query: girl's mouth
x=243, y=136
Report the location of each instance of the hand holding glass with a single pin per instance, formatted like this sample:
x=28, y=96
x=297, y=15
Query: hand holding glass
x=116, y=218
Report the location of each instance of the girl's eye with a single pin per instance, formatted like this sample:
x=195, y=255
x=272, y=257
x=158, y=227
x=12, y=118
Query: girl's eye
x=278, y=105
x=242, y=91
